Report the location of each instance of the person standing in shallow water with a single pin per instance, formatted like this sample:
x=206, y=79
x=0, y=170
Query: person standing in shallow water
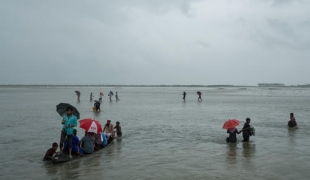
x=116, y=96
x=232, y=135
x=91, y=97
x=246, y=130
x=184, y=95
x=199, y=96
x=292, y=122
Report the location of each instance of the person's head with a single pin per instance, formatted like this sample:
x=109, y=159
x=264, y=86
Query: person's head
x=74, y=131
x=248, y=120
x=69, y=110
x=108, y=121
x=291, y=114
x=55, y=146
x=117, y=123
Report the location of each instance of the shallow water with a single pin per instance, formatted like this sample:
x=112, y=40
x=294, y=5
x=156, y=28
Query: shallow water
x=163, y=137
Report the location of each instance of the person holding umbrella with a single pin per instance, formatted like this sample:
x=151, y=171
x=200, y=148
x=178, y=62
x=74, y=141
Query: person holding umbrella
x=230, y=125
x=69, y=121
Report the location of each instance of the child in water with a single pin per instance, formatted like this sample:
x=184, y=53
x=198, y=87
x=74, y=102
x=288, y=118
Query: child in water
x=292, y=123
x=50, y=153
x=118, y=129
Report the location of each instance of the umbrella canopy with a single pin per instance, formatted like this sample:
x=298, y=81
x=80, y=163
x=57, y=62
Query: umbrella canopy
x=91, y=125
x=61, y=109
x=77, y=93
x=231, y=123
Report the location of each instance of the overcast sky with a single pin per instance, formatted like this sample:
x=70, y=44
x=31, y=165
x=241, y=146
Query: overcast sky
x=207, y=42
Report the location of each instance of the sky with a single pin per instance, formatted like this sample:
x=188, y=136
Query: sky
x=155, y=42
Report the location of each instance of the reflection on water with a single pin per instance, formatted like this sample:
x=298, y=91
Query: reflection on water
x=69, y=170
x=231, y=157
x=248, y=149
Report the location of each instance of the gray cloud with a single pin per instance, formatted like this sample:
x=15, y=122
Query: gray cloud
x=154, y=42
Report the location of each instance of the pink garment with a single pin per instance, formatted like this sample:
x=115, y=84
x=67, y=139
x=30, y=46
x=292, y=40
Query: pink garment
x=232, y=130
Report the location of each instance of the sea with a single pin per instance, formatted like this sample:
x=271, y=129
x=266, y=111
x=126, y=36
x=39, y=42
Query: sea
x=164, y=137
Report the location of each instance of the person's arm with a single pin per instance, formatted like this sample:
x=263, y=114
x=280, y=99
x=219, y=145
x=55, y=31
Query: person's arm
x=113, y=135
x=74, y=122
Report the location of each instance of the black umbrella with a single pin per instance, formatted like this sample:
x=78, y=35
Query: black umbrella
x=61, y=109
x=77, y=92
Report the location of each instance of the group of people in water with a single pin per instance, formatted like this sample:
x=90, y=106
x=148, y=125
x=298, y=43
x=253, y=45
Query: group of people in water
x=70, y=143
x=198, y=93
x=249, y=130
x=101, y=94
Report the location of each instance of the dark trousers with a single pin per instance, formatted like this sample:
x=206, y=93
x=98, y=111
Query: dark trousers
x=246, y=136
x=63, y=137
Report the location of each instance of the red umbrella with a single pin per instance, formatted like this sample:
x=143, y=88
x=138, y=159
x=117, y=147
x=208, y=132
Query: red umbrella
x=231, y=123
x=91, y=125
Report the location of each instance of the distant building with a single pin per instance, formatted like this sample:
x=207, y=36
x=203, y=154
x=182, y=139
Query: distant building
x=270, y=85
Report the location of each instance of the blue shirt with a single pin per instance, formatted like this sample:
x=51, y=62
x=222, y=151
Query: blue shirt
x=72, y=122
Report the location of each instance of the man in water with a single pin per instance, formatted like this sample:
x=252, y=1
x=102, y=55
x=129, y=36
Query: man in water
x=69, y=121
x=91, y=97
x=116, y=96
x=292, y=123
x=109, y=130
x=100, y=96
x=78, y=97
x=246, y=130
x=184, y=95
x=110, y=95
x=199, y=96
x=97, y=106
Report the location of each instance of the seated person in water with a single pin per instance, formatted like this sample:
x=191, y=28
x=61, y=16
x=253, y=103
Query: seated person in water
x=88, y=142
x=104, y=139
x=98, y=141
x=75, y=144
x=50, y=152
x=118, y=129
x=232, y=135
x=292, y=123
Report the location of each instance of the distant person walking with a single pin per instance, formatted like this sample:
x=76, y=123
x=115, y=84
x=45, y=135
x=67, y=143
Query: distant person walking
x=91, y=97
x=78, y=94
x=110, y=95
x=199, y=96
x=100, y=96
x=184, y=95
x=116, y=96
